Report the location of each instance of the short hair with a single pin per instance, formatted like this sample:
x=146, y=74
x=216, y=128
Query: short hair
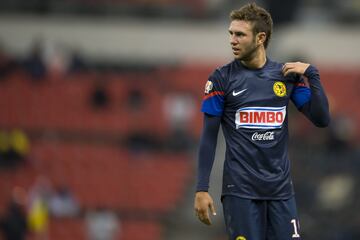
x=258, y=16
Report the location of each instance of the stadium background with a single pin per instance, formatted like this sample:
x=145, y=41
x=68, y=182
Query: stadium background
x=101, y=99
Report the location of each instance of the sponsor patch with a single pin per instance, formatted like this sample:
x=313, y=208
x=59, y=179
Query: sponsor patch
x=208, y=87
x=279, y=89
x=260, y=117
x=266, y=136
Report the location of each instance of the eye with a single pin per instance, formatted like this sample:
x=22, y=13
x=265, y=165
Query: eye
x=237, y=34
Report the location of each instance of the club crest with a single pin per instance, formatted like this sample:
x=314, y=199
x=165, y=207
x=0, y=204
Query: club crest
x=240, y=238
x=279, y=89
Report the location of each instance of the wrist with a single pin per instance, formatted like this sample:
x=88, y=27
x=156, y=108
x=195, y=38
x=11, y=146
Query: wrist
x=310, y=71
x=201, y=191
x=202, y=187
x=201, y=194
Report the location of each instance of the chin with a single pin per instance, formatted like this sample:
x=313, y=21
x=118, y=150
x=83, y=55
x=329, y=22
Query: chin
x=237, y=57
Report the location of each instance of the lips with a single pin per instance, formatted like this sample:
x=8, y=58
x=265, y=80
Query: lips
x=236, y=50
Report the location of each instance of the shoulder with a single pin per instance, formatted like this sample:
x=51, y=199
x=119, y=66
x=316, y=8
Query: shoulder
x=274, y=64
x=223, y=72
x=277, y=67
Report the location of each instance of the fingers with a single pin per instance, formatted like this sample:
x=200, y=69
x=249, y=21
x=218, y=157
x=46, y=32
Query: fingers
x=212, y=209
x=288, y=68
x=203, y=215
x=206, y=218
x=204, y=203
x=294, y=67
x=291, y=64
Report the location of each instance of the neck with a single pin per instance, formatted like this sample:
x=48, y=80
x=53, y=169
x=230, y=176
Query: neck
x=258, y=59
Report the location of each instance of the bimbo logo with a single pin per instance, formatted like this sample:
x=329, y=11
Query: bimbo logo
x=260, y=117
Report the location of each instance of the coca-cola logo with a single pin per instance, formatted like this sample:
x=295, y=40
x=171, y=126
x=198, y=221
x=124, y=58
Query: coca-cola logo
x=262, y=136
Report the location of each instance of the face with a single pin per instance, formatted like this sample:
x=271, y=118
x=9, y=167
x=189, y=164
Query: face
x=242, y=40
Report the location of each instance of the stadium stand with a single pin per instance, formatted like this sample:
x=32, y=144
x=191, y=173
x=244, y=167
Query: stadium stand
x=98, y=173
x=61, y=229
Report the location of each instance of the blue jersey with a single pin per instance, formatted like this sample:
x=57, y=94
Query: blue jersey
x=253, y=106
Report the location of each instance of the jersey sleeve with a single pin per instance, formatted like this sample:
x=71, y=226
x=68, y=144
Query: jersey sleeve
x=213, y=100
x=207, y=148
x=312, y=101
x=301, y=93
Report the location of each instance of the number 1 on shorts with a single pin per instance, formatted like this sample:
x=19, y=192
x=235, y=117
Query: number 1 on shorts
x=296, y=234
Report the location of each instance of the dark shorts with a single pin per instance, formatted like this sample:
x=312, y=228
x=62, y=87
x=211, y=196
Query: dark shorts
x=248, y=219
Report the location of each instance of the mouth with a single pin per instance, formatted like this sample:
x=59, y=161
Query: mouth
x=235, y=50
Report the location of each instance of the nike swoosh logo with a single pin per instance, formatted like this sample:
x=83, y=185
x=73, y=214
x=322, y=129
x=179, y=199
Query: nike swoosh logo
x=239, y=92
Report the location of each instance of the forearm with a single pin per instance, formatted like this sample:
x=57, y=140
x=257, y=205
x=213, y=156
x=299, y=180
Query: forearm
x=207, y=150
x=317, y=108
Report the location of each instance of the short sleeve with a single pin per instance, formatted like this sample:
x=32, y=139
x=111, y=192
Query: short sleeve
x=213, y=100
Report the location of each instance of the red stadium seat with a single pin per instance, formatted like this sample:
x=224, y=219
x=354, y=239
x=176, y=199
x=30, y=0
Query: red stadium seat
x=107, y=175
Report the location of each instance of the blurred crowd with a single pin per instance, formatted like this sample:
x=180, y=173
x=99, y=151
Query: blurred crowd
x=28, y=213
x=347, y=11
x=44, y=60
x=325, y=165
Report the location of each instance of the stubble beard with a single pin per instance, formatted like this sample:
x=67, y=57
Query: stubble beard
x=249, y=54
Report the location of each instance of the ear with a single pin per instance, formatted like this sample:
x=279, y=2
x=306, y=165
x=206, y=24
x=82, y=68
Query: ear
x=260, y=38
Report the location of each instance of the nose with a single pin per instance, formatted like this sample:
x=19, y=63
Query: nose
x=232, y=39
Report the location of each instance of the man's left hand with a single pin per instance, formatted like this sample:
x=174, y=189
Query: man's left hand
x=294, y=67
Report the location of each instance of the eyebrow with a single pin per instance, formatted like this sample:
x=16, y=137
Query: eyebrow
x=236, y=32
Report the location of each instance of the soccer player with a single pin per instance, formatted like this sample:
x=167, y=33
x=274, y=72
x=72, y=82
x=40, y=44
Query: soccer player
x=249, y=98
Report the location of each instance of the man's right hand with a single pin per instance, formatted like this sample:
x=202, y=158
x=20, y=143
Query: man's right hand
x=204, y=203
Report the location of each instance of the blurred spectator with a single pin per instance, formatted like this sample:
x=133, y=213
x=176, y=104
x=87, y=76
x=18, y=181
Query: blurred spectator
x=57, y=59
x=19, y=143
x=63, y=203
x=77, y=63
x=38, y=213
x=102, y=224
x=179, y=111
x=340, y=133
x=4, y=149
x=140, y=141
x=136, y=99
x=99, y=96
x=7, y=64
x=14, y=148
x=13, y=224
x=179, y=141
x=34, y=64
x=335, y=192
